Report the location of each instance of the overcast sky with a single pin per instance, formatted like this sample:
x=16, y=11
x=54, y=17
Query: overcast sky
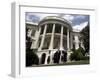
x=77, y=21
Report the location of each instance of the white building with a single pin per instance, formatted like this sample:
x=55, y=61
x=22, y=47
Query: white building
x=53, y=33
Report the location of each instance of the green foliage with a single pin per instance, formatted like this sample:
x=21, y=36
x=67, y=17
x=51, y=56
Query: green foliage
x=77, y=54
x=85, y=38
x=82, y=51
x=35, y=59
x=31, y=58
x=85, y=58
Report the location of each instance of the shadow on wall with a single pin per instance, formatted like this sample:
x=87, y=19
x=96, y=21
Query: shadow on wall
x=43, y=58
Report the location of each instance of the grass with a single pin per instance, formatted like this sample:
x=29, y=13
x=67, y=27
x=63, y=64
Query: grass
x=82, y=62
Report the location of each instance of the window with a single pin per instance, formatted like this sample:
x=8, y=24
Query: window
x=73, y=45
x=33, y=33
x=64, y=43
x=39, y=42
x=73, y=38
x=49, y=28
x=46, y=42
x=42, y=29
x=56, y=44
x=58, y=28
x=65, y=30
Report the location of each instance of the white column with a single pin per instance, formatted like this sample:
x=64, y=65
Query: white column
x=68, y=53
x=29, y=32
x=61, y=38
x=35, y=44
x=43, y=37
x=46, y=58
x=68, y=39
x=51, y=56
x=76, y=42
x=52, y=38
x=51, y=43
x=39, y=56
x=61, y=42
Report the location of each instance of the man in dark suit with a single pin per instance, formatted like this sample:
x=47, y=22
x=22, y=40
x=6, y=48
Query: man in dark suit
x=57, y=56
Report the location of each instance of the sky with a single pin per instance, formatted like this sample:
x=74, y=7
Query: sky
x=78, y=21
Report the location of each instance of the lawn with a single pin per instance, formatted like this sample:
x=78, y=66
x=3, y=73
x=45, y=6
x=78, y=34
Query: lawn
x=82, y=62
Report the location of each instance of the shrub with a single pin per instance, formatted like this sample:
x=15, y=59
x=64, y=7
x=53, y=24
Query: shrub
x=85, y=58
x=35, y=59
x=77, y=55
x=82, y=51
x=73, y=56
x=31, y=58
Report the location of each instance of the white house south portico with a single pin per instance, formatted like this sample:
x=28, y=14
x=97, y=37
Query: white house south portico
x=52, y=34
x=52, y=28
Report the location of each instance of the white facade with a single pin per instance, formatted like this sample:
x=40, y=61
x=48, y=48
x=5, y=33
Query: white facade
x=52, y=34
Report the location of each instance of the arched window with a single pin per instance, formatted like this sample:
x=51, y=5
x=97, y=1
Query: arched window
x=43, y=58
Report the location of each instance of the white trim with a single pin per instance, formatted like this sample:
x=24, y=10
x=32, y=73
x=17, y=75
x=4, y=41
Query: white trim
x=52, y=38
x=32, y=23
x=15, y=41
x=43, y=37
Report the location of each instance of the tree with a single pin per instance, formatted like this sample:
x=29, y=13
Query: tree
x=85, y=38
x=82, y=51
x=31, y=57
x=76, y=55
x=35, y=59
